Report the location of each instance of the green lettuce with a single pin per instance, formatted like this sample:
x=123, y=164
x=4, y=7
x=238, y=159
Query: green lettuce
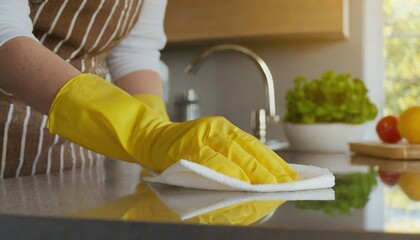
x=332, y=98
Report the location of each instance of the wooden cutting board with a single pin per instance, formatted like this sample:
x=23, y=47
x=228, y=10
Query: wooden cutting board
x=393, y=151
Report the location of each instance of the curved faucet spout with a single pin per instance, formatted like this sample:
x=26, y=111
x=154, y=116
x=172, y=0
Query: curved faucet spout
x=269, y=84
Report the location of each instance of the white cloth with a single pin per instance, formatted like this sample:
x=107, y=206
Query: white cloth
x=188, y=203
x=192, y=175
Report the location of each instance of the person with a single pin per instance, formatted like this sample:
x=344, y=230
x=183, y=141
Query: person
x=55, y=56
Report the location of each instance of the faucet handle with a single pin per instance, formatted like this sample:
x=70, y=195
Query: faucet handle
x=259, y=124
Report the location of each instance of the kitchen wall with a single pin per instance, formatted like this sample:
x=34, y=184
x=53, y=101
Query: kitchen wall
x=230, y=84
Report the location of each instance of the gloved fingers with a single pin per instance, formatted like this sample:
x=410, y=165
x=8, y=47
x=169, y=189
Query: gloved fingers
x=256, y=172
x=216, y=161
x=282, y=171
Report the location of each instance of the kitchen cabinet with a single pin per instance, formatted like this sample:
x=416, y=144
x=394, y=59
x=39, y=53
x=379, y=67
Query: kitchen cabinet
x=203, y=20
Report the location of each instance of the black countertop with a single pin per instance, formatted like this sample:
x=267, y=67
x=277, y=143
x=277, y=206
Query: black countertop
x=100, y=203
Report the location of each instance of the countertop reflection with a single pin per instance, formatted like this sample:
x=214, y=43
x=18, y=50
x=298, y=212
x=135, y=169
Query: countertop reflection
x=364, y=200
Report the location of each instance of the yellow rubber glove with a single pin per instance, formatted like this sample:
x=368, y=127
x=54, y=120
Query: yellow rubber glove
x=98, y=115
x=154, y=102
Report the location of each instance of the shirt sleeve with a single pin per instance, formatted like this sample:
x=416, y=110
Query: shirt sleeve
x=15, y=20
x=141, y=49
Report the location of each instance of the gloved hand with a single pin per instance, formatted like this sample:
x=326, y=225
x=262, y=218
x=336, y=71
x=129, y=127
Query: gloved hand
x=155, y=103
x=98, y=115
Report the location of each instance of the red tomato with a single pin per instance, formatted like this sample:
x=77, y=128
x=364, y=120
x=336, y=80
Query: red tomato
x=387, y=129
x=388, y=177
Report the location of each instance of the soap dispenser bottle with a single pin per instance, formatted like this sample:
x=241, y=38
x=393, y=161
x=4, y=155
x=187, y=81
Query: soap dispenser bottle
x=187, y=106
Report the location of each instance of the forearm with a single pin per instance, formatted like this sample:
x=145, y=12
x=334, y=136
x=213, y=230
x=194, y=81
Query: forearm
x=32, y=72
x=141, y=82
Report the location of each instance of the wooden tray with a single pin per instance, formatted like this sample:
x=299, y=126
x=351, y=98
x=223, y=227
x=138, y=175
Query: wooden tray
x=392, y=151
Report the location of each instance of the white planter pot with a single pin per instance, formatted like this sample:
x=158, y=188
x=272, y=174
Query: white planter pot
x=328, y=137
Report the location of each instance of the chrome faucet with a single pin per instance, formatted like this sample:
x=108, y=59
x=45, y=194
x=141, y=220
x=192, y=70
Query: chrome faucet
x=259, y=117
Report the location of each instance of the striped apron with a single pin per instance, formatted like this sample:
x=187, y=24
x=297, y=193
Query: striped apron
x=82, y=32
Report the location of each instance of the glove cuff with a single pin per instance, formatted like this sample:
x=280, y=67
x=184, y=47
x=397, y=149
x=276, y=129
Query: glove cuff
x=98, y=115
